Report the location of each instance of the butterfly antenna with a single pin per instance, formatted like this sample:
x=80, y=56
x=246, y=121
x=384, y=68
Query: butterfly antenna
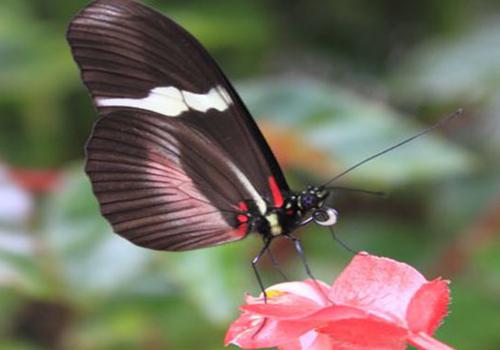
x=399, y=144
x=357, y=190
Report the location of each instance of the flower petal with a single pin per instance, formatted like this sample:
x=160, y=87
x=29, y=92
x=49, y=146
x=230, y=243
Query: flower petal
x=309, y=341
x=336, y=313
x=428, y=307
x=380, y=285
x=424, y=341
x=242, y=332
x=290, y=300
x=252, y=331
x=365, y=334
x=317, y=291
x=284, y=306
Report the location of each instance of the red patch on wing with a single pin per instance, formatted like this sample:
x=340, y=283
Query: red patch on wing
x=242, y=218
x=242, y=230
x=277, y=196
x=243, y=206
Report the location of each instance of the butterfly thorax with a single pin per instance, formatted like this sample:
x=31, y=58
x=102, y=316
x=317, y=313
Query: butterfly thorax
x=297, y=208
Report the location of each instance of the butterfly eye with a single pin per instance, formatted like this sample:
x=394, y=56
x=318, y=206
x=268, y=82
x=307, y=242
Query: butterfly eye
x=308, y=201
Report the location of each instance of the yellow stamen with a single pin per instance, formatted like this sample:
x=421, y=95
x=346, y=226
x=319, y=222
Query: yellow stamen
x=273, y=293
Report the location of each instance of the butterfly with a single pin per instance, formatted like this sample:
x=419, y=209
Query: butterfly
x=175, y=159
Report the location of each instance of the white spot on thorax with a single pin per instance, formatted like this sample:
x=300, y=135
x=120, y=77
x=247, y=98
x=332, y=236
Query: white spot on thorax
x=274, y=224
x=172, y=102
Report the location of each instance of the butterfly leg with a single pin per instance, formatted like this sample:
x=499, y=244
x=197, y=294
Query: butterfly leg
x=300, y=251
x=275, y=263
x=255, y=261
x=341, y=242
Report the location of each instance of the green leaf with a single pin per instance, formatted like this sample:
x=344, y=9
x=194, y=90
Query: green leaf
x=464, y=67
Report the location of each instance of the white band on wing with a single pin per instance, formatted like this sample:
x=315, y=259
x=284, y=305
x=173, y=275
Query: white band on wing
x=172, y=102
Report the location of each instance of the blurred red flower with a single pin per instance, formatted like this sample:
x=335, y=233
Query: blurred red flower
x=375, y=304
x=36, y=180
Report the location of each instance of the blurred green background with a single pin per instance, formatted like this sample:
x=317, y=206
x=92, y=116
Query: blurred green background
x=330, y=82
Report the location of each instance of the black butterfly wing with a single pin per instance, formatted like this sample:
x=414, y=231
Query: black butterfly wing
x=175, y=152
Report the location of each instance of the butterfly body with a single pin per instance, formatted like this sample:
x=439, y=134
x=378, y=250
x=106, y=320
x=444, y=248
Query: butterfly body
x=285, y=215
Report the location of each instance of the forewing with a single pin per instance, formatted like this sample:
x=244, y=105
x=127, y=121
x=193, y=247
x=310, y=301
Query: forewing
x=133, y=57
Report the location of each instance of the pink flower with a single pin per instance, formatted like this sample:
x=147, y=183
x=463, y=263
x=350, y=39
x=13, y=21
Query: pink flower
x=375, y=304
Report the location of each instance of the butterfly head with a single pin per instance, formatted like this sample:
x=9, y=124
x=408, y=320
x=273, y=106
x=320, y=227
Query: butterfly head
x=312, y=198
